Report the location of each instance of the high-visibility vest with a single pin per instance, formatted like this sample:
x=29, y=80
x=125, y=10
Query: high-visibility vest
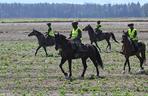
x=98, y=26
x=51, y=33
x=131, y=34
x=74, y=33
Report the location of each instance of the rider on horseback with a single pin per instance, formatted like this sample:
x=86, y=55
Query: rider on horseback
x=76, y=33
x=132, y=34
x=97, y=29
x=75, y=36
x=50, y=32
x=50, y=36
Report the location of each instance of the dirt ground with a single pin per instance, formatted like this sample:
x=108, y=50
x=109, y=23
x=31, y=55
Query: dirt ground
x=19, y=31
x=22, y=73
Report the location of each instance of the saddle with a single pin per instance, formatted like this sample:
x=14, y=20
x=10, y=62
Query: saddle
x=99, y=36
x=50, y=40
x=135, y=46
x=78, y=47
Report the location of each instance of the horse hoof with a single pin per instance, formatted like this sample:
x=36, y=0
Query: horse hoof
x=81, y=78
x=92, y=77
x=109, y=51
x=130, y=72
x=141, y=71
x=123, y=72
x=98, y=77
x=67, y=77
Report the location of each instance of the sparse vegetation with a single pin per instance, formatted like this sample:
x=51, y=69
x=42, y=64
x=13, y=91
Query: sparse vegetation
x=21, y=73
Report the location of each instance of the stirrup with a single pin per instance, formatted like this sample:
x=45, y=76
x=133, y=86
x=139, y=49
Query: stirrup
x=121, y=52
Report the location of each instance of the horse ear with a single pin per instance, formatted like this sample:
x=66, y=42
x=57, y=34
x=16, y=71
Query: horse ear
x=56, y=34
x=123, y=31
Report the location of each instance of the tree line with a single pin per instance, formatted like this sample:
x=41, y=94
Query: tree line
x=46, y=10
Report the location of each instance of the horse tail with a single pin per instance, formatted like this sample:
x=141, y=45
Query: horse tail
x=113, y=37
x=143, y=53
x=98, y=56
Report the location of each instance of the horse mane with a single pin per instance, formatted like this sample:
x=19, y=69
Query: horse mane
x=63, y=36
x=91, y=28
x=37, y=31
x=126, y=36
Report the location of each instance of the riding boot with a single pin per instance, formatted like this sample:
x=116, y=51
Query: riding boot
x=135, y=46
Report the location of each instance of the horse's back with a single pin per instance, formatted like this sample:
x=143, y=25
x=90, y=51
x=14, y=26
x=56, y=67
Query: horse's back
x=50, y=41
x=141, y=45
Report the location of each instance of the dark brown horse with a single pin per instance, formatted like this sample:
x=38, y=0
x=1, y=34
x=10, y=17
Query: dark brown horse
x=128, y=51
x=68, y=53
x=43, y=41
x=103, y=36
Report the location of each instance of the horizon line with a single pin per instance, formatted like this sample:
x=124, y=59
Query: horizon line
x=70, y=3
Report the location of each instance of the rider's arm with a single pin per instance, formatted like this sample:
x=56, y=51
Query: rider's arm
x=49, y=29
x=70, y=35
x=79, y=34
x=135, y=34
x=96, y=30
x=127, y=33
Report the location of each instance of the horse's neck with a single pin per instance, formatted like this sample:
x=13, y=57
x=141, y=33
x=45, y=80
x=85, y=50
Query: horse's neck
x=40, y=36
x=65, y=44
x=127, y=45
x=91, y=32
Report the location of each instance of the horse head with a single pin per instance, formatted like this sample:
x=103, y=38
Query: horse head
x=59, y=40
x=87, y=28
x=32, y=33
x=125, y=38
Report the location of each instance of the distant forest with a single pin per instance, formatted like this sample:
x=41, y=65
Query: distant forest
x=46, y=10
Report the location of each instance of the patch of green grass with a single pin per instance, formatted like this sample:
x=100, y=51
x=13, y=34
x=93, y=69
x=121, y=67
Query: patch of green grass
x=22, y=73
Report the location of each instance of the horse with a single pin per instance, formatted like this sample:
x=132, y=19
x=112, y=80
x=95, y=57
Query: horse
x=68, y=53
x=103, y=36
x=43, y=41
x=128, y=51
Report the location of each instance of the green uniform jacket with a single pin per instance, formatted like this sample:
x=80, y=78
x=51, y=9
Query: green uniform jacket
x=133, y=34
x=51, y=33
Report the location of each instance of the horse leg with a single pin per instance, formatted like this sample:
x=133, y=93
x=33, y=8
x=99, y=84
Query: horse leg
x=125, y=65
x=45, y=51
x=141, y=62
x=84, y=66
x=109, y=45
x=70, y=71
x=61, y=64
x=91, y=42
x=96, y=65
x=37, y=50
x=97, y=46
x=129, y=67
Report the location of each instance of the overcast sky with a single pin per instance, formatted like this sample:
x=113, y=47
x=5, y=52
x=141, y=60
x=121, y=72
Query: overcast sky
x=76, y=1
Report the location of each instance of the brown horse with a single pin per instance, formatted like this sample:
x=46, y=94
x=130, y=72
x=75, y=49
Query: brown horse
x=128, y=51
x=43, y=41
x=94, y=37
x=68, y=53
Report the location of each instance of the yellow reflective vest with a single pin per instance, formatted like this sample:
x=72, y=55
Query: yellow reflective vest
x=98, y=26
x=131, y=34
x=74, y=33
x=51, y=33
